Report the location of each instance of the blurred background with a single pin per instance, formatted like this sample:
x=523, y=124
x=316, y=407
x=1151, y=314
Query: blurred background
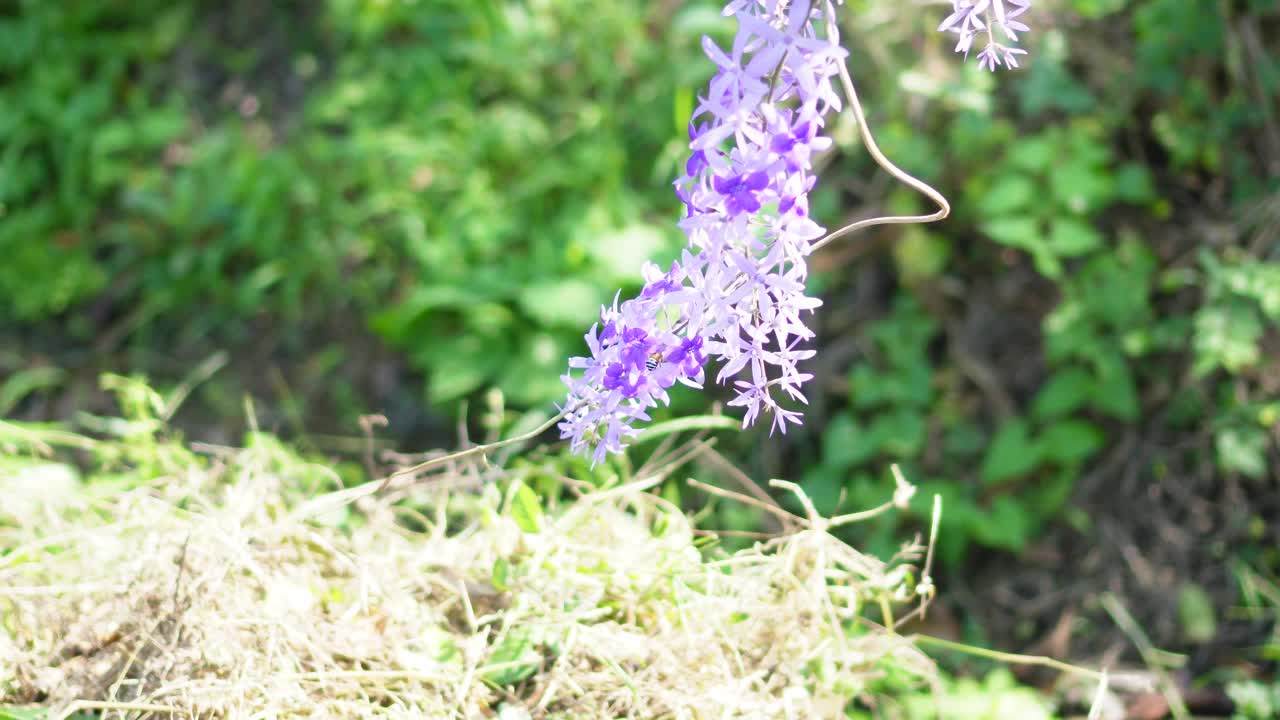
x=340, y=207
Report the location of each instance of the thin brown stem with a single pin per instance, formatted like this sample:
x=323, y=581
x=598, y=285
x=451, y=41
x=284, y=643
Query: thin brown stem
x=333, y=500
x=477, y=450
x=868, y=140
x=781, y=514
x=1012, y=658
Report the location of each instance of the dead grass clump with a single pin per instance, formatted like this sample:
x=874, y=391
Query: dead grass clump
x=211, y=595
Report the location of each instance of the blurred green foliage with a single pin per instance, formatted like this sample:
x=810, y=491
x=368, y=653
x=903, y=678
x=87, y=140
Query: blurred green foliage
x=470, y=180
x=1254, y=700
x=1125, y=182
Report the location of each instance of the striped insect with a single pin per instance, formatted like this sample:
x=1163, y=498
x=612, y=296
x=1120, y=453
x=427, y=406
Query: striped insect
x=651, y=363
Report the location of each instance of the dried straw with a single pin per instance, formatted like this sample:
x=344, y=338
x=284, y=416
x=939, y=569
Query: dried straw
x=210, y=595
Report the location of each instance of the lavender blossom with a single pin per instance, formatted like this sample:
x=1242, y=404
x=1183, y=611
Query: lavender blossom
x=737, y=293
x=974, y=17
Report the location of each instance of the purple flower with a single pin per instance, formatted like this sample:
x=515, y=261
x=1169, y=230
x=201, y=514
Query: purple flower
x=995, y=54
x=740, y=191
x=667, y=283
x=971, y=18
x=737, y=294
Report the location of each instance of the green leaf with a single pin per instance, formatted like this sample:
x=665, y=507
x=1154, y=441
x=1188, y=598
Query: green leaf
x=1115, y=287
x=1025, y=233
x=1254, y=699
x=1046, y=263
x=514, y=660
x=845, y=443
x=530, y=375
x=1066, y=391
x=1226, y=336
x=1034, y=154
x=567, y=303
x=1017, y=232
x=958, y=515
x=21, y=713
x=1196, y=613
x=1080, y=187
x=1053, y=492
x=1007, y=525
x=1242, y=450
x=621, y=253
x=1133, y=183
x=1115, y=393
x=1012, y=193
x=501, y=575
x=1048, y=85
x=899, y=433
x=453, y=382
x=1070, y=441
x=1093, y=9
x=24, y=382
x=1072, y=238
x=1069, y=332
x=823, y=484
x=526, y=509
x=921, y=255
x=1011, y=453
x=38, y=713
x=461, y=365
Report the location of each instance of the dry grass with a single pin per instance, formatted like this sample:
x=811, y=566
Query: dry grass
x=213, y=595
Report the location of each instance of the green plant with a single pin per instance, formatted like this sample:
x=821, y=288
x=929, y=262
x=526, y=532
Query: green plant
x=612, y=597
x=1085, y=213
x=1254, y=700
x=421, y=182
x=995, y=696
x=1043, y=193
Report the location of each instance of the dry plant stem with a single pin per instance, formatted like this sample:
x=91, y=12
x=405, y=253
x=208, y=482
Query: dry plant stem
x=751, y=486
x=1095, y=711
x=817, y=523
x=815, y=520
x=369, y=675
x=933, y=533
x=80, y=705
x=251, y=644
x=1004, y=657
x=734, y=533
x=1148, y=651
x=926, y=577
x=477, y=450
x=333, y=500
x=944, y=208
x=783, y=515
x=194, y=379
x=925, y=588
x=659, y=453
x=697, y=446
x=854, y=517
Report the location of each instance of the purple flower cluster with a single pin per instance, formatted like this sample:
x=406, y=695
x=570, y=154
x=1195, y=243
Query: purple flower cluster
x=737, y=293
x=974, y=17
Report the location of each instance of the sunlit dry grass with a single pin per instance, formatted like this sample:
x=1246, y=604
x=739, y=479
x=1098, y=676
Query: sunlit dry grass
x=212, y=595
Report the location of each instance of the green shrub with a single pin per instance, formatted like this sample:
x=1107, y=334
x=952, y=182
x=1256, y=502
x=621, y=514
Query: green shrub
x=471, y=181
x=1073, y=182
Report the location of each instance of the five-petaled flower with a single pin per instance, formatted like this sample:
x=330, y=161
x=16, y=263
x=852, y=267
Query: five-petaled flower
x=972, y=18
x=737, y=294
